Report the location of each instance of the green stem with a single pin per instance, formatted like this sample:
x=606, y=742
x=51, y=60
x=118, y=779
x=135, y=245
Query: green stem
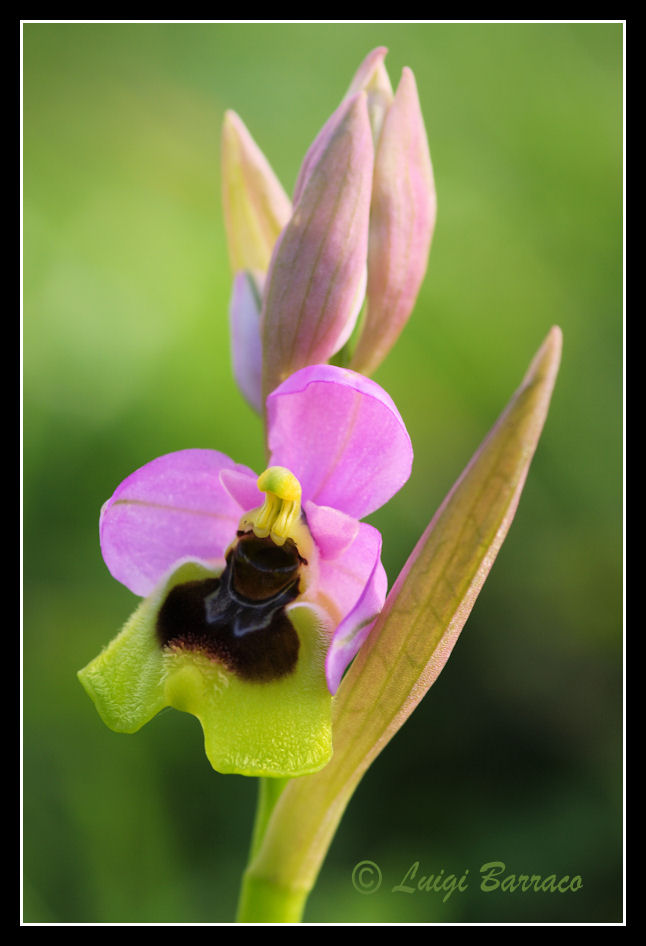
x=262, y=901
x=269, y=791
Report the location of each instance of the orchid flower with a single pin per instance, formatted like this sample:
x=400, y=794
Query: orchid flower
x=258, y=591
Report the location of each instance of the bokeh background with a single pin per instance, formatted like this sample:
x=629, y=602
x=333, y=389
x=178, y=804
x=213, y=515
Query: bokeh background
x=515, y=754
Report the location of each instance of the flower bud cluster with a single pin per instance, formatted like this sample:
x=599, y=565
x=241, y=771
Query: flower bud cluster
x=333, y=274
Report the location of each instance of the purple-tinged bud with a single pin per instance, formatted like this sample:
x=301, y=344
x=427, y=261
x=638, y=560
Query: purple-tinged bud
x=402, y=219
x=246, y=346
x=372, y=78
x=316, y=280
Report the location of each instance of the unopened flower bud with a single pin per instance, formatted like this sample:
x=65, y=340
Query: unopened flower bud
x=256, y=208
x=402, y=211
x=316, y=280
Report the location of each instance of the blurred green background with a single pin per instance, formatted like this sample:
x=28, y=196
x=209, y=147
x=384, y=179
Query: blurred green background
x=515, y=754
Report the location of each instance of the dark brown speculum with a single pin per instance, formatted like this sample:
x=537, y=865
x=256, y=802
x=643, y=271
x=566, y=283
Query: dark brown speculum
x=239, y=619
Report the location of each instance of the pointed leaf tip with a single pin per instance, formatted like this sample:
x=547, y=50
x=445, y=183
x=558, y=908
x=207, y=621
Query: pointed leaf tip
x=545, y=363
x=434, y=594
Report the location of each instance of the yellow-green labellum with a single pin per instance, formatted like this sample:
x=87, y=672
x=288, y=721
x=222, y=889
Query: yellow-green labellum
x=260, y=715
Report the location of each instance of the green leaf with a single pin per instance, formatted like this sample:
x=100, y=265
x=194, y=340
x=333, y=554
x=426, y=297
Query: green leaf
x=412, y=639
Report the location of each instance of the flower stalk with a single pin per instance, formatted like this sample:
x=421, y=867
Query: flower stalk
x=261, y=900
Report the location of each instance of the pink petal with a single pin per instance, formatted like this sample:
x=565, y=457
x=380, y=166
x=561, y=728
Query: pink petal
x=341, y=436
x=332, y=530
x=343, y=579
x=246, y=344
x=357, y=583
x=172, y=508
x=242, y=486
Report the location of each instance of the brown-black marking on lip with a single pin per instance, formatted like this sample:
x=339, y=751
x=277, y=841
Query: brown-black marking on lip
x=239, y=619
